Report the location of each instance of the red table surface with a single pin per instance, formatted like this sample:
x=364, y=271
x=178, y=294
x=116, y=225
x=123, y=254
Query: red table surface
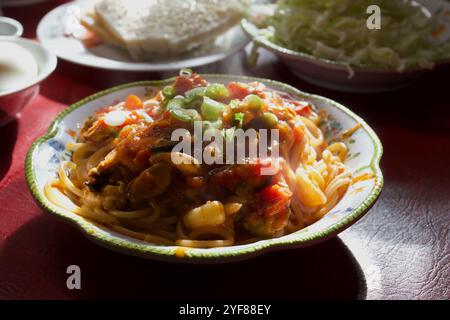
x=399, y=250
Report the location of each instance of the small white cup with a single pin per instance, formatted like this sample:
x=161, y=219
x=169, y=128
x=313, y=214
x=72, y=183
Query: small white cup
x=10, y=28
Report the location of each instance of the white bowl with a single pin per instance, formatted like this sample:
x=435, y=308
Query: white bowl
x=13, y=101
x=337, y=75
x=10, y=28
x=365, y=152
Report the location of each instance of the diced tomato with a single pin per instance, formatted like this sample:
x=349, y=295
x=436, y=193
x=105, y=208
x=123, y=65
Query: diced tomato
x=198, y=81
x=133, y=102
x=275, y=193
x=302, y=108
x=183, y=83
x=274, y=199
x=266, y=164
x=257, y=169
x=237, y=91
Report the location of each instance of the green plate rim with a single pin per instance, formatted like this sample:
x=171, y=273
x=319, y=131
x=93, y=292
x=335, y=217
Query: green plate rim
x=205, y=255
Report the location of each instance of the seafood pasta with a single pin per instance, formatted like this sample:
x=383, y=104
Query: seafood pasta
x=122, y=172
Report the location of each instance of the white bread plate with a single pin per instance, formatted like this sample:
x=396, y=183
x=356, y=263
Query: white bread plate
x=53, y=29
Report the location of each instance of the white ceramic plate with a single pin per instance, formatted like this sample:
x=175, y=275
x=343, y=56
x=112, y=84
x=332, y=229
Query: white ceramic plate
x=365, y=152
x=335, y=75
x=53, y=28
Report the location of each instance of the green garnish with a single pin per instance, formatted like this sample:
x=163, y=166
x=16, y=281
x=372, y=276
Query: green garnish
x=253, y=102
x=234, y=104
x=185, y=115
x=211, y=109
x=168, y=92
x=185, y=72
x=196, y=92
x=194, y=98
x=270, y=120
x=217, y=91
x=238, y=119
x=176, y=103
x=176, y=108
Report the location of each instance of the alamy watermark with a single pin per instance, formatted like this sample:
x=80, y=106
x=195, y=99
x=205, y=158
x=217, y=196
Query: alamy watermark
x=374, y=20
x=74, y=279
x=227, y=146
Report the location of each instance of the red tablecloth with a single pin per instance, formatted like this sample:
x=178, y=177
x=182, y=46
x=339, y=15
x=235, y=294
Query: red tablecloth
x=399, y=250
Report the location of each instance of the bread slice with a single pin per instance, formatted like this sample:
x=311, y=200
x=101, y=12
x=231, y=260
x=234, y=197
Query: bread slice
x=91, y=22
x=152, y=29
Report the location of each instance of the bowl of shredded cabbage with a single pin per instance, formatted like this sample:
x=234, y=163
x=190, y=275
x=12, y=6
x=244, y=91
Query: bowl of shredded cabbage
x=337, y=43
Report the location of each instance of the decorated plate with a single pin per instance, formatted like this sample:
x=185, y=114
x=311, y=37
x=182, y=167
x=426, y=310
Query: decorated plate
x=365, y=151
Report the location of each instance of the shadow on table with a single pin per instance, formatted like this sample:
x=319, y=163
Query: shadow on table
x=8, y=136
x=37, y=255
x=421, y=106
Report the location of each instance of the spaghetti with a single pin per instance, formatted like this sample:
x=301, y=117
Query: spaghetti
x=121, y=175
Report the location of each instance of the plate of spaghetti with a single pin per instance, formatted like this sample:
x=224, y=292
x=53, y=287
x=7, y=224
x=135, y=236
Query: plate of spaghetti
x=206, y=168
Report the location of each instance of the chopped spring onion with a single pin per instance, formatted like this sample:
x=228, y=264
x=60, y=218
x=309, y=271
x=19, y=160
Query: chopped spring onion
x=217, y=91
x=176, y=108
x=238, y=119
x=193, y=103
x=270, y=119
x=200, y=91
x=211, y=109
x=185, y=115
x=234, y=104
x=194, y=97
x=175, y=103
x=168, y=92
x=253, y=102
x=186, y=72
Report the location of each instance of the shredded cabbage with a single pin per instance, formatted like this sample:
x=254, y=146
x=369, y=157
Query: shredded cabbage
x=337, y=30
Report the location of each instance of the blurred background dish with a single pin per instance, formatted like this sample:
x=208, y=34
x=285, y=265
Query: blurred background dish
x=60, y=31
x=18, y=3
x=151, y=30
x=23, y=65
x=10, y=28
x=336, y=50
